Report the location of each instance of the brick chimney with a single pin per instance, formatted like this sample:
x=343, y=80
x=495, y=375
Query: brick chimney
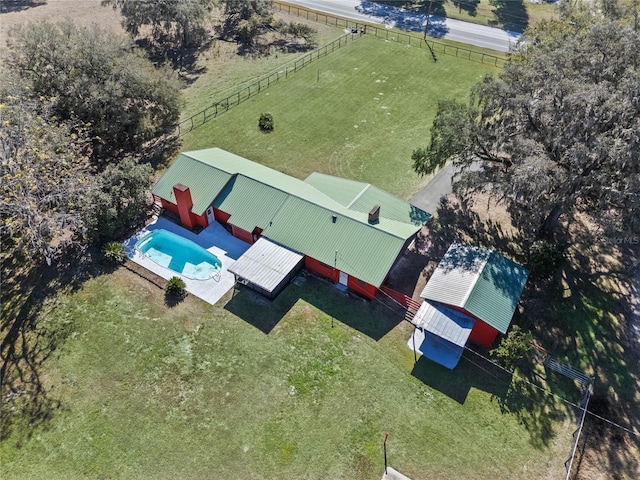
x=184, y=202
x=374, y=214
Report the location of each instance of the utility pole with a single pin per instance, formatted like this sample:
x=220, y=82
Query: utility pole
x=426, y=28
x=426, y=25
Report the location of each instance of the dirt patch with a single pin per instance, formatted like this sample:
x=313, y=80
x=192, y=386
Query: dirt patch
x=85, y=12
x=481, y=221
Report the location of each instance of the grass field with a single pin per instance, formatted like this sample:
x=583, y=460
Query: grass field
x=305, y=387
x=357, y=113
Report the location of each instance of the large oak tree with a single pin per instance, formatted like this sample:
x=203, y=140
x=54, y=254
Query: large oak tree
x=181, y=23
x=558, y=129
x=91, y=76
x=44, y=174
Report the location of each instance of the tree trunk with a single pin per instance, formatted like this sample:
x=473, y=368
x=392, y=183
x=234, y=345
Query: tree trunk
x=551, y=222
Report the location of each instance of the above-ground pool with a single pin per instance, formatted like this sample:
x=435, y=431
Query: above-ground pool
x=179, y=254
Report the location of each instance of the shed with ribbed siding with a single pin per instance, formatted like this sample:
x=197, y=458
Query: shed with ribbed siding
x=349, y=232
x=480, y=283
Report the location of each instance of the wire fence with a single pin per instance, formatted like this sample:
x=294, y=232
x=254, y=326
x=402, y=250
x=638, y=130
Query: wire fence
x=393, y=35
x=242, y=94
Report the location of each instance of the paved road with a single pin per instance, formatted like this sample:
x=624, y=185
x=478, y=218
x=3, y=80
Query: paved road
x=464, y=32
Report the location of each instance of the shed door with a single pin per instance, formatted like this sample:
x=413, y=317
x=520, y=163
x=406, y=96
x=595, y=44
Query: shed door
x=343, y=278
x=210, y=217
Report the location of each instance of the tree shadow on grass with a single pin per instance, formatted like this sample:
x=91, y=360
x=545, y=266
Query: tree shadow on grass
x=511, y=15
x=456, y=384
x=27, y=343
x=183, y=60
x=9, y=6
x=535, y=410
x=581, y=315
x=368, y=317
x=468, y=6
x=605, y=444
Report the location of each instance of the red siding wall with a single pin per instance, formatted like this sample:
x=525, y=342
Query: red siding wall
x=200, y=220
x=172, y=207
x=220, y=216
x=242, y=234
x=483, y=334
x=366, y=289
x=321, y=269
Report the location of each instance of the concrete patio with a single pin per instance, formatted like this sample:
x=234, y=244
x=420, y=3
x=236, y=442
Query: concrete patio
x=214, y=238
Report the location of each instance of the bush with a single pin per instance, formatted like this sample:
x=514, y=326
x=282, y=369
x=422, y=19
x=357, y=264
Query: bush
x=514, y=348
x=266, y=122
x=114, y=253
x=544, y=258
x=176, y=287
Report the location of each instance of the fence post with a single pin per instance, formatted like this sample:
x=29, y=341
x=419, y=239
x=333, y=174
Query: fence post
x=384, y=444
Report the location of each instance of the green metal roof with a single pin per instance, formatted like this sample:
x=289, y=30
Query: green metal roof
x=264, y=202
x=362, y=197
x=342, y=190
x=350, y=245
x=296, y=213
x=481, y=281
x=495, y=295
x=204, y=181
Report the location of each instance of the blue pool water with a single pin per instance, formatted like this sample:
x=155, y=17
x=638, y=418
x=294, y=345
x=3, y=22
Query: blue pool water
x=179, y=254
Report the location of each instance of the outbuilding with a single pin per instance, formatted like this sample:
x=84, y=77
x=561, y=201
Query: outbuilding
x=472, y=295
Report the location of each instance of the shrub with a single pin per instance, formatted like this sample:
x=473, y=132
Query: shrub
x=514, y=348
x=175, y=287
x=114, y=253
x=266, y=122
x=544, y=258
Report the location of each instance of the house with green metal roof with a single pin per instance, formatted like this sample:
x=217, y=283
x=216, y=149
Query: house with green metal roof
x=347, y=231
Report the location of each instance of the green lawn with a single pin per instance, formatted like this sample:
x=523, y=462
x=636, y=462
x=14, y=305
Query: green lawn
x=305, y=387
x=357, y=113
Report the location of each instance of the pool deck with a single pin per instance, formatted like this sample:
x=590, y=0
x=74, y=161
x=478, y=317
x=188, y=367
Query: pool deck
x=214, y=238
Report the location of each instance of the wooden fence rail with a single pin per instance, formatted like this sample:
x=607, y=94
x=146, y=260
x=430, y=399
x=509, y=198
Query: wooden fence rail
x=265, y=81
x=392, y=35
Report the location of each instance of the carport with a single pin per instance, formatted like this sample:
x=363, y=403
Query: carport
x=267, y=267
x=441, y=333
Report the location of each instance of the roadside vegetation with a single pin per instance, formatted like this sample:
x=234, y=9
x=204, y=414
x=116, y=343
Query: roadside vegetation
x=105, y=374
x=513, y=15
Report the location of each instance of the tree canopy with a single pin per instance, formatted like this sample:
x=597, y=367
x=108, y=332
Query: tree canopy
x=248, y=22
x=91, y=76
x=558, y=129
x=44, y=173
x=179, y=23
